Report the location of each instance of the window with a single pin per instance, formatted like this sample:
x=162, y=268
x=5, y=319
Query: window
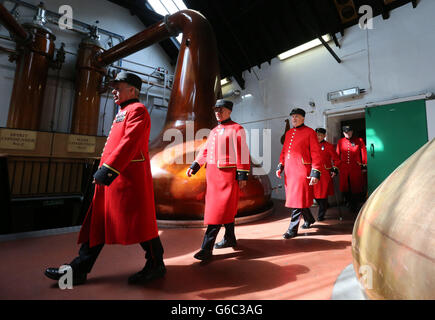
x=307, y=46
x=165, y=7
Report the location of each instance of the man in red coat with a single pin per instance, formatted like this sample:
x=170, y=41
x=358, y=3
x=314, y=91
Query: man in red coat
x=227, y=156
x=353, y=160
x=329, y=169
x=301, y=161
x=122, y=209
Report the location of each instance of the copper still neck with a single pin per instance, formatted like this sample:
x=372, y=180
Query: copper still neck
x=197, y=81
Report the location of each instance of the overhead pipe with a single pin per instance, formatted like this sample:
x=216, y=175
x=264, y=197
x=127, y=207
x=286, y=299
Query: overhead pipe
x=194, y=86
x=188, y=22
x=91, y=67
x=147, y=37
x=7, y=50
x=53, y=18
x=142, y=73
x=14, y=28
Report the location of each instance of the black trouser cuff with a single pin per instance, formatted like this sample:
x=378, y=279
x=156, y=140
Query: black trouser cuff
x=210, y=236
x=86, y=259
x=154, y=251
x=229, y=231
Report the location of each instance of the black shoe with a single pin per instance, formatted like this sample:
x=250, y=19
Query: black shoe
x=289, y=234
x=203, y=255
x=224, y=243
x=307, y=225
x=320, y=219
x=55, y=274
x=148, y=274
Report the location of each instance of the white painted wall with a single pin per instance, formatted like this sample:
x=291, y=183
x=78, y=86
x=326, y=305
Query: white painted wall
x=395, y=59
x=111, y=17
x=430, y=114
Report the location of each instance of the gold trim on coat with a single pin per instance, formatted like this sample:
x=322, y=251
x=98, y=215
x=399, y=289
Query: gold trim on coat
x=139, y=160
x=109, y=167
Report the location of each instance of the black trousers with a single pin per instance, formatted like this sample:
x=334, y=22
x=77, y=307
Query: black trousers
x=297, y=213
x=353, y=200
x=323, y=206
x=212, y=232
x=87, y=256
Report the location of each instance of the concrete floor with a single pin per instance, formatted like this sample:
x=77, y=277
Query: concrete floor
x=263, y=267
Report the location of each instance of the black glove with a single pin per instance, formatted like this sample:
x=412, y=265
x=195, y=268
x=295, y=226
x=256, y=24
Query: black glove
x=105, y=175
x=242, y=175
x=195, y=167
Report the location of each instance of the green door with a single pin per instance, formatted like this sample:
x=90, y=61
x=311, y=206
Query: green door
x=394, y=132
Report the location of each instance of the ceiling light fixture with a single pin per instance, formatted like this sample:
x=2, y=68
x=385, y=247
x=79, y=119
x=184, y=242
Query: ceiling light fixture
x=346, y=93
x=307, y=46
x=225, y=81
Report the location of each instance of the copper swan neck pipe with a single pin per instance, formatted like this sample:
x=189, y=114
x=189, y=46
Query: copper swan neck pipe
x=197, y=77
x=172, y=25
x=143, y=39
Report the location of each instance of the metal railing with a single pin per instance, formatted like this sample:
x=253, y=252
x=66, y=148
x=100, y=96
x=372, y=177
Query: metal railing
x=31, y=178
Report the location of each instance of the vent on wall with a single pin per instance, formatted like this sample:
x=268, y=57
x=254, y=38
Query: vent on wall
x=346, y=9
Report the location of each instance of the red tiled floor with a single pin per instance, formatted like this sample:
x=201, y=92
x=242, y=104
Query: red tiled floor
x=264, y=266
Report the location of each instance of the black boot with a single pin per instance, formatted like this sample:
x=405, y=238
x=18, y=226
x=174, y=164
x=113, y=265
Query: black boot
x=323, y=206
x=347, y=199
x=308, y=218
x=80, y=266
x=203, y=255
x=150, y=272
x=294, y=224
x=357, y=201
x=56, y=274
x=154, y=267
x=229, y=239
x=289, y=234
x=208, y=243
x=354, y=202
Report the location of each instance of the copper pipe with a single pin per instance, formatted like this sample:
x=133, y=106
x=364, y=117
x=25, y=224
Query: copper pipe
x=12, y=25
x=91, y=66
x=149, y=36
x=7, y=50
x=137, y=72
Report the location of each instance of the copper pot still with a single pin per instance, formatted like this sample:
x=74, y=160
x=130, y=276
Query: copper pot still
x=88, y=86
x=393, y=242
x=35, y=50
x=195, y=90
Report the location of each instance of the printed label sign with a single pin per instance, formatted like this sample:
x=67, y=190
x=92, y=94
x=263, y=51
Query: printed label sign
x=77, y=143
x=17, y=139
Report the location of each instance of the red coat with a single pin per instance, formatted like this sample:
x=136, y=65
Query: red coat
x=124, y=212
x=324, y=187
x=352, y=153
x=300, y=156
x=226, y=154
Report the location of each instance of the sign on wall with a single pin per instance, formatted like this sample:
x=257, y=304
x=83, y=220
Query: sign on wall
x=78, y=143
x=17, y=139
